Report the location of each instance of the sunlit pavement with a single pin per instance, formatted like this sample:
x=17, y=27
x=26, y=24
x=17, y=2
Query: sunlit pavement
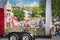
x=53, y=38
x=3, y=38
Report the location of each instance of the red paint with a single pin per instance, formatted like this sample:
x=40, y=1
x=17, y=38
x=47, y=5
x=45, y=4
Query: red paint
x=1, y=21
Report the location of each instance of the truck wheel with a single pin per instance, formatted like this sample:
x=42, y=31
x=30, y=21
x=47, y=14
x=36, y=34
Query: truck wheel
x=13, y=37
x=26, y=37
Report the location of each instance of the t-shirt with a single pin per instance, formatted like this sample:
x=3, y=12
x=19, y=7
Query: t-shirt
x=40, y=23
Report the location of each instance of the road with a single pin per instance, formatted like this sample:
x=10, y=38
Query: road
x=53, y=38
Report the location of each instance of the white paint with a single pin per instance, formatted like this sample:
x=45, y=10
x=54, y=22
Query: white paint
x=26, y=14
x=8, y=5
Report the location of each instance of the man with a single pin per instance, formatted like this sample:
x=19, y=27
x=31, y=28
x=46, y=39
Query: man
x=41, y=22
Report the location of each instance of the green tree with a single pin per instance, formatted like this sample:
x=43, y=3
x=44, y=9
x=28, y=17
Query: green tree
x=56, y=8
x=35, y=10
x=43, y=7
x=19, y=14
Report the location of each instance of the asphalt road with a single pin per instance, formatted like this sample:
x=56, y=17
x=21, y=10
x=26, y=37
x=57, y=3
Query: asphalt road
x=53, y=38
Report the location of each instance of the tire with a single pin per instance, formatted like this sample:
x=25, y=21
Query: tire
x=13, y=37
x=26, y=37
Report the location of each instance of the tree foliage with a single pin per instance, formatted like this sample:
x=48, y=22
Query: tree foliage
x=36, y=11
x=43, y=7
x=56, y=8
x=40, y=10
x=19, y=14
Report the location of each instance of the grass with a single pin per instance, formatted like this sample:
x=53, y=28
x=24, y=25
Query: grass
x=31, y=19
x=35, y=18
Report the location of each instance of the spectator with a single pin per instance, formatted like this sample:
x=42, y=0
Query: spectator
x=36, y=24
x=52, y=29
x=41, y=22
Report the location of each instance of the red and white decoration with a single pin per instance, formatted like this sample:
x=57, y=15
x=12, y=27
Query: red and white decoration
x=8, y=14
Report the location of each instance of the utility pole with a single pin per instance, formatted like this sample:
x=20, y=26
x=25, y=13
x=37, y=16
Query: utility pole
x=48, y=17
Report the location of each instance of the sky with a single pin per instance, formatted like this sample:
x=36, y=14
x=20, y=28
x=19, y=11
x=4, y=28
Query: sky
x=25, y=2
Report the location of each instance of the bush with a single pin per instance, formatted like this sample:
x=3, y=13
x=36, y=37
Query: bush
x=19, y=14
